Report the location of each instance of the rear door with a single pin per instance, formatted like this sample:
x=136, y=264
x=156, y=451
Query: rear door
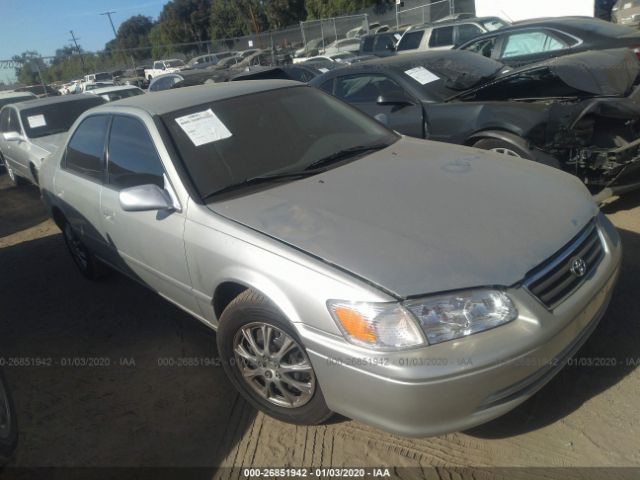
x=362, y=91
x=148, y=246
x=77, y=183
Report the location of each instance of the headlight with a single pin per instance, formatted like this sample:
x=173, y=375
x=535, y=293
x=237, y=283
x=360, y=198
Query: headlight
x=376, y=325
x=463, y=313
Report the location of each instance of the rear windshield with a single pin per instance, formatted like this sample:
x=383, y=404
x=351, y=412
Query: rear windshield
x=119, y=94
x=266, y=133
x=493, y=24
x=55, y=118
x=16, y=99
x=606, y=29
x=104, y=76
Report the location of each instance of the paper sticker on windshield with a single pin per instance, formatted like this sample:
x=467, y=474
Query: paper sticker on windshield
x=422, y=75
x=36, y=121
x=324, y=70
x=203, y=127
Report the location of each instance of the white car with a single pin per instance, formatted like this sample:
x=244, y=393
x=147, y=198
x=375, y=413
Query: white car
x=117, y=92
x=160, y=67
x=341, y=46
x=30, y=131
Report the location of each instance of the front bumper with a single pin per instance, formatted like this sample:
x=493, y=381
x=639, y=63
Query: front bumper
x=462, y=383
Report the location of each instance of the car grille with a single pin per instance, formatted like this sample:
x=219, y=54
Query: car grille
x=557, y=278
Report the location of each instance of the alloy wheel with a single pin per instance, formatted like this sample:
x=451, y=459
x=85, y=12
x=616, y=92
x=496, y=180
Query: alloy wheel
x=5, y=414
x=12, y=175
x=274, y=365
x=76, y=247
x=506, y=151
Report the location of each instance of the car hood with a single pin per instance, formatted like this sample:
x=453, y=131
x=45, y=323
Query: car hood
x=422, y=217
x=50, y=143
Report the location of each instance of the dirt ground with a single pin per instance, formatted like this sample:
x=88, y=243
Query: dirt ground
x=132, y=411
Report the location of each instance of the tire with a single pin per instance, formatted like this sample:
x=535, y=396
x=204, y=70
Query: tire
x=17, y=180
x=90, y=267
x=8, y=422
x=270, y=388
x=502, y=147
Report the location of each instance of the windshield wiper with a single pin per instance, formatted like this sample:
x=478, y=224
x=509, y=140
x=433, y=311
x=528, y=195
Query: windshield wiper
x=259, y=180
x=344, y=154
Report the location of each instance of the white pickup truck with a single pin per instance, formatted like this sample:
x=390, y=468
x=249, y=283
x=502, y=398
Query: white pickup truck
x=160, y=67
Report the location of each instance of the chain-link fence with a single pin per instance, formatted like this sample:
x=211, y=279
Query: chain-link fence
x=309, y=38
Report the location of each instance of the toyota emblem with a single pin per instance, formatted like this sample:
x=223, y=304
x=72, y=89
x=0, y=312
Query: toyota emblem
x=578, y=267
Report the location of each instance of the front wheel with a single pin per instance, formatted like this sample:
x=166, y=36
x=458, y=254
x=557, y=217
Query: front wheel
x=502, y=147
x=15, y=179
x=8, y=423
x=266, y=361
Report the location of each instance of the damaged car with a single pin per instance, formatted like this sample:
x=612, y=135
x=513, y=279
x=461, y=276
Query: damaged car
x=578, y=113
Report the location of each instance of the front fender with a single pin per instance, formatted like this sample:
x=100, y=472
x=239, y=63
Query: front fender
x=517, y=141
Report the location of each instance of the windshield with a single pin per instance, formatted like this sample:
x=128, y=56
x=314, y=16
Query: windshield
x=267, y=133
x=55, y=118
x=440, y=77
x=174, y=63
x=119, y=94
x=492, y=24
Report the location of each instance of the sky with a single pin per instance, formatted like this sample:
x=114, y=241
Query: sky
x=43, y=25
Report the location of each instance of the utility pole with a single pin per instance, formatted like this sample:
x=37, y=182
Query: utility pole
x=75, y=41
x=115, y=35
x=108, y=14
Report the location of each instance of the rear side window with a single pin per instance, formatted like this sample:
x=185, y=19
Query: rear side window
x=529, y=43
x=384, y=43
x=85, y=151
x=468, y=31
x=483, y=47
x=133, y=159
x=367, y=44
x=441, y=37
x=411, y=40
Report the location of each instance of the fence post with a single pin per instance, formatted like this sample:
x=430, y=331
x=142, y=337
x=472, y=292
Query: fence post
x=335, y=29
x=304, y=39
x=322, y=35
x=452, y=6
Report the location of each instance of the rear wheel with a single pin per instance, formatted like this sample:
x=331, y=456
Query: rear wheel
x=502, y=147
x=266, y=361
x=90, y=267
x=8, y=424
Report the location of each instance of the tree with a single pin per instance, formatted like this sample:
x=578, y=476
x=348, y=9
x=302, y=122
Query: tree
x=283, y=13
x=235, y=18
x=30, y=62
x=335, y=8
x=133, y=35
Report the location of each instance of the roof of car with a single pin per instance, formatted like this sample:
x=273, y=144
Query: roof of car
x=453, y=22
x=571, y=22
x=160, y=103
x=41, y=102
x=114, y=88
x=14, y=94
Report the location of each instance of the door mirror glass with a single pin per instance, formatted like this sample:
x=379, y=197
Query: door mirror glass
x=12, y=136
x=145, y=198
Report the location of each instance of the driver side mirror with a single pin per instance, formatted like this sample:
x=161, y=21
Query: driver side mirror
x=145, y=198
x=395, y=99
x=13, y=136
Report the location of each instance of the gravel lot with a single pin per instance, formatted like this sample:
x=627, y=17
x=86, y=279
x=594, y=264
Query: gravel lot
x=134, y=412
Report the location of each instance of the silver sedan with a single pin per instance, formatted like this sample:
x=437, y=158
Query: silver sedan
x=30, y=131
x=417, y=286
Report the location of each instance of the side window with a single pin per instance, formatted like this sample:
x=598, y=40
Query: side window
x=327, y=86
x=365, y=88
x=483, y=47
x=14, y=123
x=527, y=43
x=441, y=37
x=4, y=120
x=384, y=43
x=85, y=151
x=411, y=40
x=133, y=159
x=467, y=31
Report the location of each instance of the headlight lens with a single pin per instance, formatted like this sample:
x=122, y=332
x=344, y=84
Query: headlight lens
x=376, y=325
x=462, y=313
